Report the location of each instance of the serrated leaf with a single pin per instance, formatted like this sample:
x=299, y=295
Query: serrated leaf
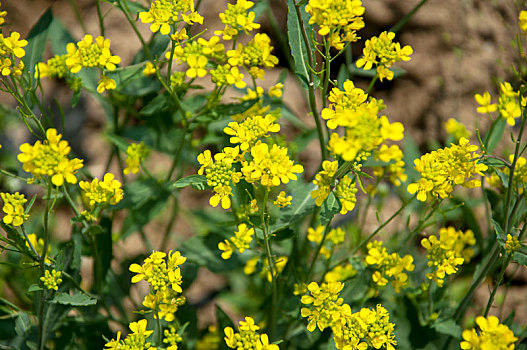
x=198, y=182
x=297, y=44
x=501, y=237
x=77, y=299
x=520, y=258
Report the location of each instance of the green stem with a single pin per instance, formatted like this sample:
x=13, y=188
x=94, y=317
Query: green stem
x=272, y=267
x=100, y=17
x=372, y=83
x=319, y=248
x=29, y=242
x=42, y=264
x=497, y=285
x=311, y=86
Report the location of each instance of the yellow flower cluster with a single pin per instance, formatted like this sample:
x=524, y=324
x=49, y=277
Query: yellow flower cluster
x=253, y=55
x=351, y=331
x=239, y=242
x=52, y=280
x=445, y=253
x=247, y=337
x=509, y=104
x=50, y=158
x=456, y=129
x=493, y=335
x=103, y=192
x=279, y=265
x=135, y=340
x=2, y=16
x=388, y=266
x=395, y=167
x=166, y=14
x=522, y=17
x=338, y=19
x=340, y=273
x=11, y=51
x=236, y=19
x=445, y=168
x=364, y=130
x=86, y=53
x=210, y=341
x=171, y=337
x=382, y=52
x=247, y=132
x=519, y=180
x=512, y=243
x=14, y=208
x=334, y=237
x=282, y=200
x=135, y=154
x=163, y=273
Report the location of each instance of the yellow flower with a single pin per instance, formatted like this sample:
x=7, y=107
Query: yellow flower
x=11, y=50
x=14, y=208
x=55, y=67
x=523, y=21
x=103, y=192
x=52, y=280
x=161, y=273
x=247, y=337
x=345, y=192
x=512, y=243
x=340, y=273
x=387, y=265
x=227, y=76
x=508, y=105
x=256, y=53
x=484, y=102
x=236, y=18
x=86, y=54
x=519, y=180
x=49, y=158
x=382, y=52
x=325, y=305
x=251, y=129
x=135, y=154
x=394, y=156
x=196, y=66
x=163, y=14
x=282, y=201
x=240, y=241
x=324, y=181
x=456, y=129
x=270, y=166
x=493, y=335
x=149, y=69
x=106, y=83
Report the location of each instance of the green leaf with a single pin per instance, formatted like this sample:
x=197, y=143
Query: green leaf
x=297, y=44
x=77, y=299
x=117, y=140
x=223, y=321
x=204, y=251
x=500, y=235
x=448, y=327
x=160, y=103
x=198, y=182
x=36, y=43
x=59, y=37
x=301, y=205
x=520, y=258
x=493, y=139
x=330, y=208
x=34, y=288
x=131, y=81
x=22, y=323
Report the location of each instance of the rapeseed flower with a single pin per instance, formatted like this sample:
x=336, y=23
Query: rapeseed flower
x=382, y=52
x=253, y=55
x=247, y=337
x=225, y=75
x=456, y=129
x=395, y=167
x=508, y=103
x=167, y=302
x=161, y=271
x=447, y=252
x=55, y=67
x=246, y=133
x=106, y=83
x=38, y=244
x=338, y=19
x=512, y=243
x=445, y=168
x=239, y=242
x=135, y=340
x=105, y=192
x=135, y=154
x=325, y=305
x=87, y=53
x=388, y=266
x=282, y=200
x=522, y=17
x=270, y=167
x=14, y=208
x=49, y=158
x=345, y=192
x=485, y=103
x=171, y=337
x=519, y=180
x=236, y=19
x=340, y=273
x=220, y=174
x=165, y=14
x=493, y=335
x=11, y=51
x=324, y=181
x=52, y=280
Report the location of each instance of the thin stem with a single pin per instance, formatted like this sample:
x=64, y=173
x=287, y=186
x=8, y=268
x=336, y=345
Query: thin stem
x=372, y=83
x=100, y=16
x=319, y=248
x=30, y=243
x=42, y=264
x=311, y=86
x=497, y=285
x=272, y=267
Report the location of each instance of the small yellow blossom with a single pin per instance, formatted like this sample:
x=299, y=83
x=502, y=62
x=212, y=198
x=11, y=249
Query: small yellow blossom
x=508, y=104
x=87, y=53
x=49, y=158
x=135, y=340
x=456, y=129
x=247, y=337
x=251, y=129
x=103, y=192
x=106, y=83
x=340, y=273
x=395, y=167
x=55, y=67
x=11, y=50
x=210, y=341
x=382, y=52
x=236, y=19
x=493, y=335
x=196, y=66
x=512, y=243
x=387, y=265
x=160, y=270
x=485, y=105
x=149, y=69
x=282, y=201
x=135, y=154
x=14, y=208
x=163, y=14
x=52, y=280
x=523, y=21
x=519, y=181
x=324, y=181
x=240, y=241
x=325, y=305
